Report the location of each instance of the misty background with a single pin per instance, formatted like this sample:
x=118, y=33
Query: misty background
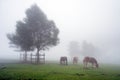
x=96, y=22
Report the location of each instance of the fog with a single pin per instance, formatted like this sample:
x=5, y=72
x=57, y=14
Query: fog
x=95, y=21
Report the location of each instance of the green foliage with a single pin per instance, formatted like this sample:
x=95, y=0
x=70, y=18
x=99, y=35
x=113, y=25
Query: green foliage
x=44, y=32
x=59, y=72
x=35, y=31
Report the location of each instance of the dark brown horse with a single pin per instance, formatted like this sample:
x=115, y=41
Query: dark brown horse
x=91, y=60
x=75, y=60
x=63, y=60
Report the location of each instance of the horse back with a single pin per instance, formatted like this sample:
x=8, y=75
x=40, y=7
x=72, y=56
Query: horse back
x=93, y=60
x=86, y=59
x=63, y=58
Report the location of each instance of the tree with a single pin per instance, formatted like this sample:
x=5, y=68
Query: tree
x=85, y=49
x=44, y=32
x=41, y=32
x=74, y=48
x=21, y=39
x=88, y=49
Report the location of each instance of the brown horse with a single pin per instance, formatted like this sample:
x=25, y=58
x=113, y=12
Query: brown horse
x=75, y=60
x=63, y=60
x=91, y=60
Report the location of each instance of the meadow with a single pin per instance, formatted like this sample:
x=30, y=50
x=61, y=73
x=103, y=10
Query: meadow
x=55, y=71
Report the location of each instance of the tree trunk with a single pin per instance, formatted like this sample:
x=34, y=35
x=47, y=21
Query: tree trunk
x=38, y=58
x=31, y=57
x=25, y=57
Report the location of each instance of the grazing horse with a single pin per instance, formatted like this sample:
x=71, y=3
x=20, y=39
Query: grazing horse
x=75, y=60
x=63, y=60
x=91, y=60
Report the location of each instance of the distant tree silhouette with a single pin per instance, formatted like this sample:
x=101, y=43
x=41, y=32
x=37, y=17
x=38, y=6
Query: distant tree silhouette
x=35, y=31
x=85, y=49
x=74, y=48
x=88, y=49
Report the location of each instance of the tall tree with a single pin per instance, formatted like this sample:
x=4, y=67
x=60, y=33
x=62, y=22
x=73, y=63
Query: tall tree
x=44, y=32
x=21, y=39
x=41, y=32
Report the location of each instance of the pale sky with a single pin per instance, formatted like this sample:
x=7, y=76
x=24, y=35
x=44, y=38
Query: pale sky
x=96, y=21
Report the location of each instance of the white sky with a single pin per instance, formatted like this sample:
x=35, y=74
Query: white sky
x=96, y=21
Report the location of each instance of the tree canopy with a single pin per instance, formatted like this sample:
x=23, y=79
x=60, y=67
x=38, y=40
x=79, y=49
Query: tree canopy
x=43, y=31
x=35, y=32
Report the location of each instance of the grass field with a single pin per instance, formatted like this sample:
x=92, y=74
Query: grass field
x=54, y=71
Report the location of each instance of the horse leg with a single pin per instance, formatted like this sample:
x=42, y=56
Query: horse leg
x=92, y=65
x=61, y=62
x=66, y=62
x=76, y=61
x=85, y=65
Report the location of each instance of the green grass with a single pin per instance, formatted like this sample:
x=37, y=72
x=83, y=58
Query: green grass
x=53, y=71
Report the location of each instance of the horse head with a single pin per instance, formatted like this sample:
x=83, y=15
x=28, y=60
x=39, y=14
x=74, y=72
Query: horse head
x=97, y=65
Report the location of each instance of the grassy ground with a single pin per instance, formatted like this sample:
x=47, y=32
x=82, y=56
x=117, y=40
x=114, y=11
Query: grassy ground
x=52, y=71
